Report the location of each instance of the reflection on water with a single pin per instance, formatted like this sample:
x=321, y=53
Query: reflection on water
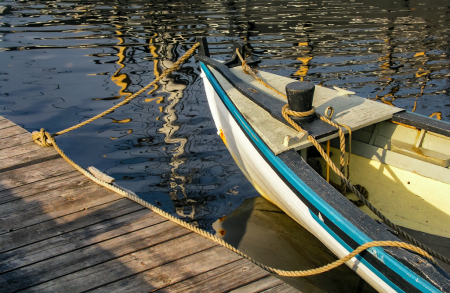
x=65, y=61
x=272, y=237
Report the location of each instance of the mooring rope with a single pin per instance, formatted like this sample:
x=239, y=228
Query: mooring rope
x=166, y=72
x=44, y=138
x=302, y=273
x=348, y=184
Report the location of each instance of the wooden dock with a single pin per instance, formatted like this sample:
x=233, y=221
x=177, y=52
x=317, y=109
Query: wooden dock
x=60, y=232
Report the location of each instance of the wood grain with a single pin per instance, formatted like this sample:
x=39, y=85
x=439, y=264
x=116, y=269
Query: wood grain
x=5, y=123
x=25, y=154
x=33, y=173
x=60, y=232
x=22, y=241
x=33, y=188
x=83, y=237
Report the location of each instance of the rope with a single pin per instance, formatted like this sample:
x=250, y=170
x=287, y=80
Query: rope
x=44, y=138
x=166, y=72
x=298, y=114
x=247, y=69
x=340, y=173
x=349, y=147
x=357, y=192
x=220, y=241
x=329, y=111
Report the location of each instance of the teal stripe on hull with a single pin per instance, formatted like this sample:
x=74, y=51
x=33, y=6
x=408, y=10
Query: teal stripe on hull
x=321, y=205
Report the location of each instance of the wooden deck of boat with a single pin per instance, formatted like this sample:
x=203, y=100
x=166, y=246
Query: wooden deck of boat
x=60, y=232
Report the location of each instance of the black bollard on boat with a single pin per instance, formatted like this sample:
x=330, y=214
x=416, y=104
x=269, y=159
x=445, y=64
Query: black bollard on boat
x=300, y=97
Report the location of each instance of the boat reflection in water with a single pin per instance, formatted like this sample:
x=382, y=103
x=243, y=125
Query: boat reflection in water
x=267, y=234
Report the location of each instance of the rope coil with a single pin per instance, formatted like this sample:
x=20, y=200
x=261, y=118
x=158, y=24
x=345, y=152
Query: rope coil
x=44, y=138
x=290, y=112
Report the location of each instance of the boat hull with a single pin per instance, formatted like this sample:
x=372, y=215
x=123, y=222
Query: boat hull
x=268, y=183
x=288, y=181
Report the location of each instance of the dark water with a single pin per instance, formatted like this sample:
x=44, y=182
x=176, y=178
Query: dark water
x=62, y=62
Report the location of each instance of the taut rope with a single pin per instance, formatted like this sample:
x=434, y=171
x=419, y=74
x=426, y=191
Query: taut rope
x=43, y=138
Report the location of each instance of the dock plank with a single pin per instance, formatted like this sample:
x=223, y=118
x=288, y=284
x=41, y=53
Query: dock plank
x=214, y=278
x=53, y=204
x=60, y=232
x=33, y=188
x=15, y=140
x=5, y=123
x=23, y=242
x=14, y=130
x=92, y=256
x=282, y=288
x=32, y=173
x=180, y=271
x=160, y=255
x=260, y=285
x=83, y=237
x=227, y=277
x=29, y=153
x=28, y=146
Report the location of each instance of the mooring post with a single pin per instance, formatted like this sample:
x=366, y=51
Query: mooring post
x=300, y=97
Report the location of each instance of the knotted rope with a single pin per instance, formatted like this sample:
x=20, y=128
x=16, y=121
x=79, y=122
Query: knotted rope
x=44, y=138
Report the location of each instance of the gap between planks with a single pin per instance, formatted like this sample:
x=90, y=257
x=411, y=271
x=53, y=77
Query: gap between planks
x=62, y=232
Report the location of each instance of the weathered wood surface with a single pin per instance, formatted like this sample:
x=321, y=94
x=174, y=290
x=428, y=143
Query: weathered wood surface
x=261, y=107
x=60, y=232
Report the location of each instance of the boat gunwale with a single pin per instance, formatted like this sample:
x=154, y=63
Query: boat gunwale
x=388, y=234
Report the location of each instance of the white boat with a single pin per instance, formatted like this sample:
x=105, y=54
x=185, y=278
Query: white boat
x=401, y=158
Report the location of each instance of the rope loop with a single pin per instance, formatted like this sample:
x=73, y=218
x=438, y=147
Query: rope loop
x=42, y=138
x=329, y=111
x=288, y=111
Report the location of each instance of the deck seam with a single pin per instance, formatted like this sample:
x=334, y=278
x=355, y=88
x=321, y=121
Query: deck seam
x=33, y=162
x=75, y=174
x=99, y=263
x=181, y=281
x=92, y=244
x=52, y=219
x=28, y=183
x=12, y=125
x=71, y=231
x=15, y=134
x=160, y=265
x=249, y=282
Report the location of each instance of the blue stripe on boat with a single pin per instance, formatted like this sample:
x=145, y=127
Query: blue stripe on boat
x=321, y=205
